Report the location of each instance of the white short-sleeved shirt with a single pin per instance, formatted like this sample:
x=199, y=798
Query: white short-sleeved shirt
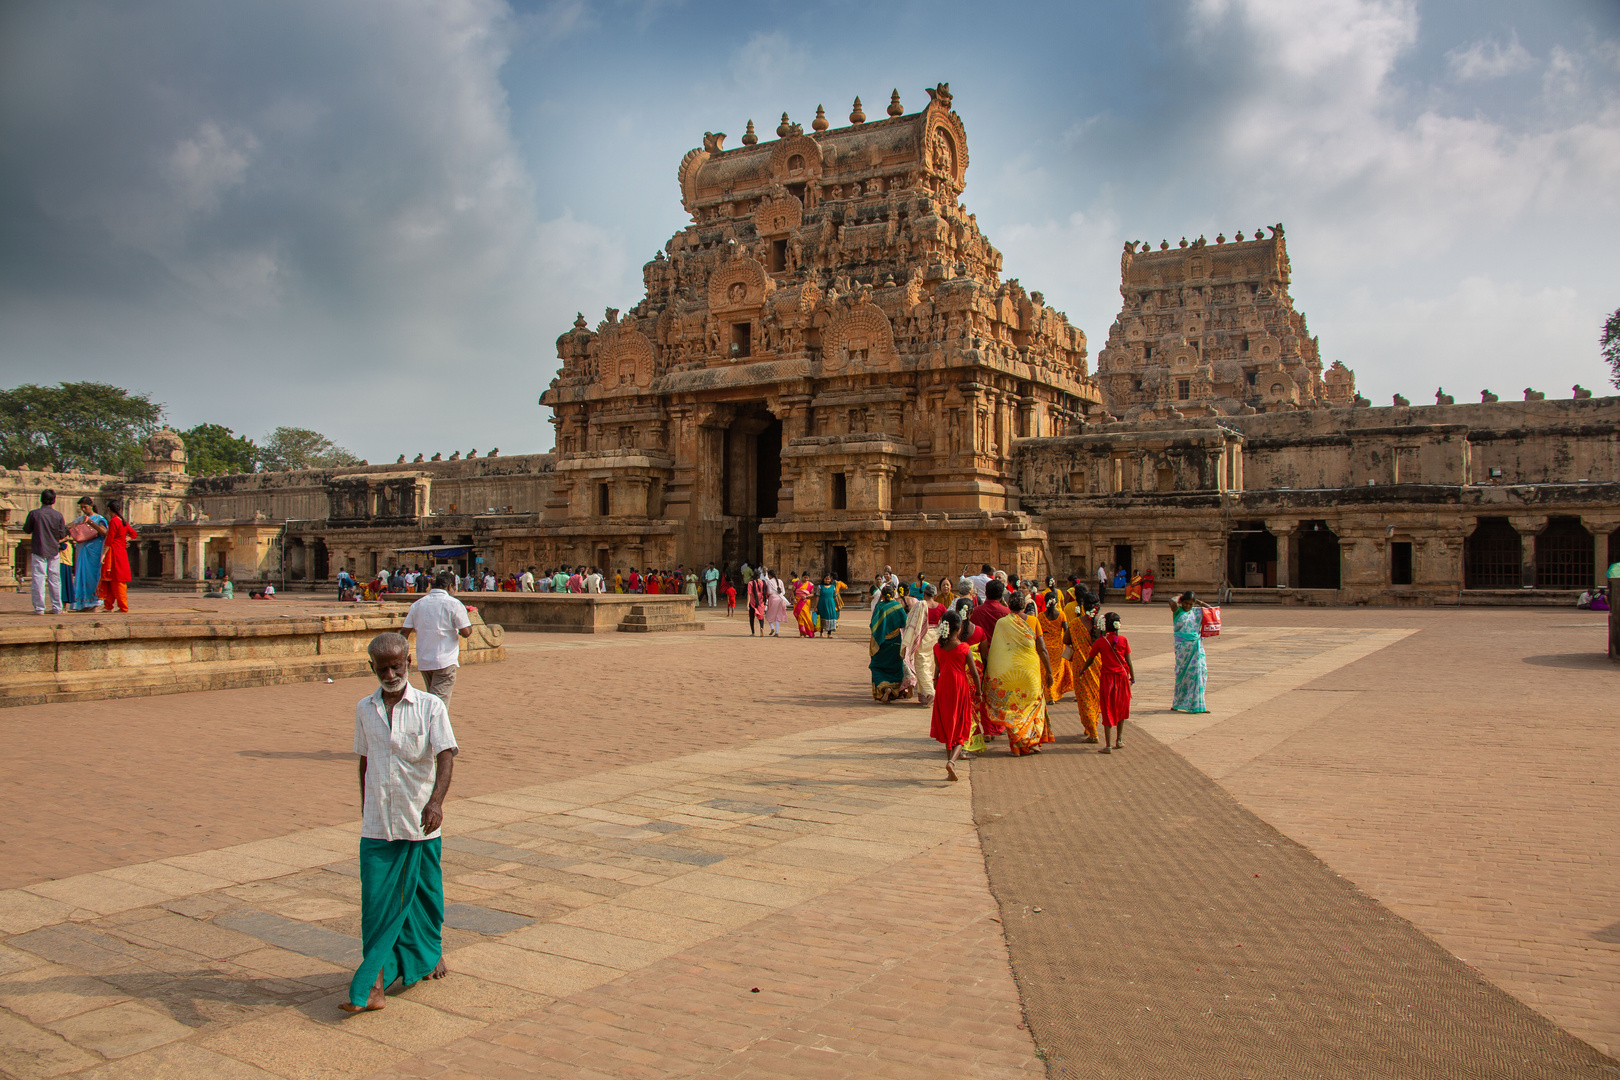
x=979, y=581
x=400, y=765
x=436, y=618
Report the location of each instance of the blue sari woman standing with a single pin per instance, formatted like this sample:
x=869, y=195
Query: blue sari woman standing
x=87, y=558
x=1192, y=671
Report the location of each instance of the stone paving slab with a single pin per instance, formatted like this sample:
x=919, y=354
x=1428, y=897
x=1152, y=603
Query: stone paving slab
x=580, y=898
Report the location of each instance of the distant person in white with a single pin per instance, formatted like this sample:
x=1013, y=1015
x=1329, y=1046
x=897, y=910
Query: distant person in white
x=439, y=622
x=978, y=581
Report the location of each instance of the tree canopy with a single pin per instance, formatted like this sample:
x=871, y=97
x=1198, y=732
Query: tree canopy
x=79, y=425
x=1610, y=343
x=215, y=450
x=301, y=448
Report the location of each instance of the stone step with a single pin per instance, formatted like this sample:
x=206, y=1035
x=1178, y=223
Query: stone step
x=645, y=629
x=653, y=618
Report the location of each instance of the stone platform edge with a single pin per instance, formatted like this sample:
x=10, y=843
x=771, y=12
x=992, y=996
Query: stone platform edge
x=572, y=613
x=122, y=659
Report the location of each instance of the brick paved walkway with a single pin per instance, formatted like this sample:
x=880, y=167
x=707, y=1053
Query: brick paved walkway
x=1466, y=776
x=1174, y=934
x=203, y=923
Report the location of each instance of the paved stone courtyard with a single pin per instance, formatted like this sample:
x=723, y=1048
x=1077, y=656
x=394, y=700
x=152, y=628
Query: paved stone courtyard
x=642, y=832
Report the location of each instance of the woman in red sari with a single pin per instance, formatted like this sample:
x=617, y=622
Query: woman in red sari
x=956, y=688
x=115, y=559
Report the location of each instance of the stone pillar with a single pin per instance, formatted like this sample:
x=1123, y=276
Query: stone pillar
x=1283, y=530
x=8, y=549
x=1600, y=528
x=199, y=555
x=179, y=558
x=1528, y=528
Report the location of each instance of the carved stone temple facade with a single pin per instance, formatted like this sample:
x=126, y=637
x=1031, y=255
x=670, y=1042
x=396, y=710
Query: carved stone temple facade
x=827, y=369
x=828, y=372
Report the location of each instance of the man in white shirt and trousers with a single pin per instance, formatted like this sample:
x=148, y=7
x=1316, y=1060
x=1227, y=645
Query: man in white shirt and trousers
x=407, y=750
x=439, y=622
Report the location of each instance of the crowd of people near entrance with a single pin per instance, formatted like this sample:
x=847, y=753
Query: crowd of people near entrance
x=993, y=653
x=581, y=579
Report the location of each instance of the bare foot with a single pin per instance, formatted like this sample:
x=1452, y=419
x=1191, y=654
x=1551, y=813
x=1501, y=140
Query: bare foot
x=950, y=771
x=374, y=1001
x=439, y=972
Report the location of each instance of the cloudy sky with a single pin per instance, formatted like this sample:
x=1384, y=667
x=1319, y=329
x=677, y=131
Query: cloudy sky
x=374, y=218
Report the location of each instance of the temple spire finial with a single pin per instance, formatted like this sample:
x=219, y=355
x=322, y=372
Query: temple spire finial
x=785, y=128
x=856, y=116
x=895, y=108
x=749, y=138
x=820, y=122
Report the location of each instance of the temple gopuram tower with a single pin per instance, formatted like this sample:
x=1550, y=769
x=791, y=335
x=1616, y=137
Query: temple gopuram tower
x=827, y=369
x=1210, y=330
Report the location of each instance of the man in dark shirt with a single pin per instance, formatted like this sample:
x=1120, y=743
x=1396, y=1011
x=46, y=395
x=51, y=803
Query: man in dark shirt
x=46, y=529
x=988, y=613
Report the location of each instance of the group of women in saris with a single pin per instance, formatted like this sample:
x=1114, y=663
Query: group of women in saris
x=815, y=607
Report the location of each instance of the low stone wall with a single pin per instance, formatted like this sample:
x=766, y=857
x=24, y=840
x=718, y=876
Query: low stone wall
x=569, y=613
x=136, y=657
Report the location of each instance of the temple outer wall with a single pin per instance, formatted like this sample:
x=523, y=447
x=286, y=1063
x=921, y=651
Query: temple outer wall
x=1401, y=493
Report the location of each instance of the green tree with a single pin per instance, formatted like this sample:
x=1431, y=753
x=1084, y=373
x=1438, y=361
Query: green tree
x=80, y=425
x=1610, y=343
x=215, y=450
x=301, y=448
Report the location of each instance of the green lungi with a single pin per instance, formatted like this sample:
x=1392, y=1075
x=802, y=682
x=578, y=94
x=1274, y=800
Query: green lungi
x=401, y=913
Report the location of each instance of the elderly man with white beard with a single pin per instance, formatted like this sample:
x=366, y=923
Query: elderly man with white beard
x=407, y=751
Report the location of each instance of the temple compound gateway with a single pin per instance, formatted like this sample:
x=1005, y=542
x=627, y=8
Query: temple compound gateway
x=828, y=373
x=827, y=369
x=1210, y=330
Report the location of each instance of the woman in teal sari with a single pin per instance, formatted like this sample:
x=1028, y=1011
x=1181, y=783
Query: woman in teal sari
x=1191, y=669
x=827, y=605
x=888, y=669
x=87, y=558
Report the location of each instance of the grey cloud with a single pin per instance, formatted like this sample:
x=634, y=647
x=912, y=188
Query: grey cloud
x=308, y=196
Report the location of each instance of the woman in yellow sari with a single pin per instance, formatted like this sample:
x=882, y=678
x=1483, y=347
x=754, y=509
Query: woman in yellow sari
x=1016, y=680
x=1078, y=634
x=804, y=606
x=1051, y=625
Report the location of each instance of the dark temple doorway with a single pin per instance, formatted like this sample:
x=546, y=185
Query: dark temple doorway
x=751, y=474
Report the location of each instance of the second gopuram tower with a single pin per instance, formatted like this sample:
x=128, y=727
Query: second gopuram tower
x=827, y=369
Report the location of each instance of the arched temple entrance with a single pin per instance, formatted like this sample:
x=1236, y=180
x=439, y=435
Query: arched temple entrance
x=1251, y=556
x=1564, y=555
x=750, y=476
x=1493, y=556
x=1317, y=566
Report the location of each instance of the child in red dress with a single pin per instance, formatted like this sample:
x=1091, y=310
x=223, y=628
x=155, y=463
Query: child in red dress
x=1117, y=677
x=731, y=599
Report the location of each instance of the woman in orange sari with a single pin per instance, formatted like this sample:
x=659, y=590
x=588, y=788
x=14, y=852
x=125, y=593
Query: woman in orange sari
x=1052, y=622
x=1079, y=633
x=1017, y=678
x=804, y=608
